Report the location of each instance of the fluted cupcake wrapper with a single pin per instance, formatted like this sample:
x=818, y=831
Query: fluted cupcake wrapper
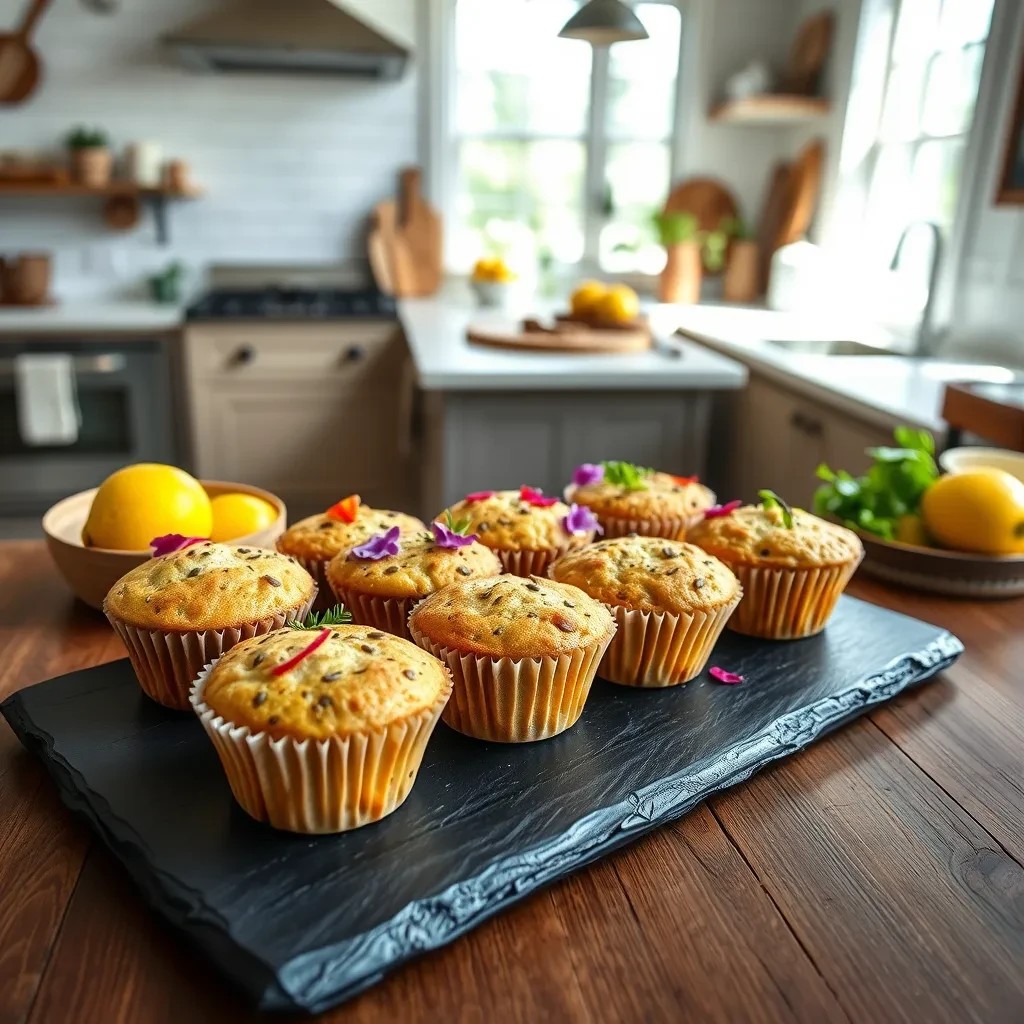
x=516, y=701
x=390, y=614
x=166, y=662
x=669, y=527
x=787, y=604
x=319, y=786
x=653, y=649
x=529, y=562
x=317, y=568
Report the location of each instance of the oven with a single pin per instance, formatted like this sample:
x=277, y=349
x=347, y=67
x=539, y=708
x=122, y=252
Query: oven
x=122, y=389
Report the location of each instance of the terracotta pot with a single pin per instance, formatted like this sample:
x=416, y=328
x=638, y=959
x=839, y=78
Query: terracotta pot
x=25, y=279
x=680, y=280
x=92, y=165
x=743, y=273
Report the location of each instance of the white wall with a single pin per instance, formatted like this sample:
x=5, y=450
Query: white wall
x=291, y=165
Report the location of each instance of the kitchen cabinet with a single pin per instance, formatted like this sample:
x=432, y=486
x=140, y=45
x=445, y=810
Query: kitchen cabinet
x=311, y=412
x=779, y=438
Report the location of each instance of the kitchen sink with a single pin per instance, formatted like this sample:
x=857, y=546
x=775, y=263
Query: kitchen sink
x=813, y=347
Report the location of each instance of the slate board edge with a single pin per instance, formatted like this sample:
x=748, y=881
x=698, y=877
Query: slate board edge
x=320, y=979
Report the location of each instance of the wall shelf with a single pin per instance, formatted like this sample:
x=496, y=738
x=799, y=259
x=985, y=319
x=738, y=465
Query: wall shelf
x=776, y=109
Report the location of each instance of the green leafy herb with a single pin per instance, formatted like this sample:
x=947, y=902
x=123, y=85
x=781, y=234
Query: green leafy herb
x=460, y=526
x=336, y=616
x=771, y=500
x=675, y=227
x=892, y=487
x=626, y=475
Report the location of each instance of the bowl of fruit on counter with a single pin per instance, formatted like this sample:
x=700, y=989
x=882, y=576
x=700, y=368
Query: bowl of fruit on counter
x=96, y=536
x=492, y=281
x=959, y=533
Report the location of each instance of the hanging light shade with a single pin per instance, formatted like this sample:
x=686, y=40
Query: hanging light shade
x=603, y=22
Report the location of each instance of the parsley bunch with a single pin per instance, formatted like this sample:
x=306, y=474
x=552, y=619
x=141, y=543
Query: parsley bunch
x=626, y=475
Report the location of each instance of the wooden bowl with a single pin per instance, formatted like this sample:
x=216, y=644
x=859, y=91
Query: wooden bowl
x=91, y=572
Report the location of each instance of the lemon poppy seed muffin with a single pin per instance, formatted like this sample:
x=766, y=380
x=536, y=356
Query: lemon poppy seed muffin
x=322, y=730
x=670, y=600
x=523, y=653
x=793, y=566
x=177, y=612
x=381, y=592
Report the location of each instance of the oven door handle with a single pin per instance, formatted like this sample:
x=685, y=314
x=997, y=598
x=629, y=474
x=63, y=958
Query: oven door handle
x=106, y=362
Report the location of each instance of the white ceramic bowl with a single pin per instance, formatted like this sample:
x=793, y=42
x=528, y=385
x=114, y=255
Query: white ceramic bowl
x=491, y=294
x=957, y=460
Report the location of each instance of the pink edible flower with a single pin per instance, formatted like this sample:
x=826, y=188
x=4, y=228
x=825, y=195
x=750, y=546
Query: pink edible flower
x=383, y=545
x=717, y=511
x=535, y=496
x=171, y=542
x=478, y=496
x=581, y=520
x=446, y=538
x=724, y=676
x=588, y=473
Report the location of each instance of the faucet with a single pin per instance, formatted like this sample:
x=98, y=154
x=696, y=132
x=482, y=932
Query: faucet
x=926, y=336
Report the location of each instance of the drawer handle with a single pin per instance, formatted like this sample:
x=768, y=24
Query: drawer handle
x=245, y=355
x=354, y=354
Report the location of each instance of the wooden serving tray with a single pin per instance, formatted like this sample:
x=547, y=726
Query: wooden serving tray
x=566, y=334
x=306, y=922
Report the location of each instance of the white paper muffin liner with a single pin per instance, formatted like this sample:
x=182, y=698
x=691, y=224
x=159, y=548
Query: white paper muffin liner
x=654, y=648
x=167, y=662
x=787, y=604
x=390, y=614
x=669, y=527
x=529, y=562
x=319, y=786
x=516, y=701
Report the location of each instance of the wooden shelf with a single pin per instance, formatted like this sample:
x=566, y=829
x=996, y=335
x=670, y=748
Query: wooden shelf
x=771, y=110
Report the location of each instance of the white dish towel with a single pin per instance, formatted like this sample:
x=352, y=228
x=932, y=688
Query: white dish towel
x=44, y=386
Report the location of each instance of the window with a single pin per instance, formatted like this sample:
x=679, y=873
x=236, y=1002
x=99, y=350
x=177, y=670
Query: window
x=561, y=152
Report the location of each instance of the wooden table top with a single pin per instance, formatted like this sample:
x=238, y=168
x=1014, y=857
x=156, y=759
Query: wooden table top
x=877, y=876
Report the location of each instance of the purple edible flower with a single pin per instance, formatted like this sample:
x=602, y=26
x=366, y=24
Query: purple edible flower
x=588, y=473
x=171, y=542
x=717, y=511
x=446, y=538
x=383, y=545
x=581, y=520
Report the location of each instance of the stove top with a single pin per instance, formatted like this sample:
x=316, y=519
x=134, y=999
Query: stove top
x=292, y=303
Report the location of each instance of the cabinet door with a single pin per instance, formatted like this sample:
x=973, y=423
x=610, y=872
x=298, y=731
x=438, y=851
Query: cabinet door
x=847, y=439
x=765, y=438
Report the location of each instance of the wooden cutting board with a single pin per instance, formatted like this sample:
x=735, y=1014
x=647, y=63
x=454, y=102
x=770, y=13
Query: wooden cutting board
x=802, y=73
x=419, y=233
x=20, y=69
x=772, y=212
x=564, y=336
x=708, y=200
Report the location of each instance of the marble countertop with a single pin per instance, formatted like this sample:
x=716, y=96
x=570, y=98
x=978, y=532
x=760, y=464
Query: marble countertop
x=90, y=317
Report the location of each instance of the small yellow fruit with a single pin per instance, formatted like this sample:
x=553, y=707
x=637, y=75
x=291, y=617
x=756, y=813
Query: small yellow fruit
x=237, y=515
x=147, y=500
x=618, y=305
x=980, y=510
x=586, y=297
x=910, y=530
x=492, y=268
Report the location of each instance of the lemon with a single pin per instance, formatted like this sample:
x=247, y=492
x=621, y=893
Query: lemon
x=618, y=305
x=492, y=268
x=147, y=500
x=584, y=300
x=980, y=510
x=238, y=515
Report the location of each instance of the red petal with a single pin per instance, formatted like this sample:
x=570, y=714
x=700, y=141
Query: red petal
x=305, y=652
x=725, y=676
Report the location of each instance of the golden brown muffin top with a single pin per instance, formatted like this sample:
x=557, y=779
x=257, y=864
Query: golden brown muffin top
x=755, y=535
x=506, y=521
x=360, y=679
x=209, y=586
x=649, y=574
x=511, y=617
x=321, y=537
x=419, y=568
x=662, y=495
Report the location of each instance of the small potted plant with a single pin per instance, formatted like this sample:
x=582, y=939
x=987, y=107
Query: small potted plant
x=91, y=159
x=743, y=271
x=681, y=278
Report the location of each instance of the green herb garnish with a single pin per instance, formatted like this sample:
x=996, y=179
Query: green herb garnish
x=459, y=526
x=892, y=487
x=771, y=500
x=336, y=616
x=626, y=475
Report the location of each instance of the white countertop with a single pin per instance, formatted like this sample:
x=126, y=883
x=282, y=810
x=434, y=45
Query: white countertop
x=445, y=361
x=93, y=316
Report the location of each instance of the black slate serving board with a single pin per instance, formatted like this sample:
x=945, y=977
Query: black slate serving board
x=307, y=922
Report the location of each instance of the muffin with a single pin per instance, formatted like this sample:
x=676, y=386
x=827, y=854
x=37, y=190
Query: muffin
x=526, y=530
x=792, y=565
x=632, y=499
x=179, y=611
x=670, y=601
x=381, y=589
x=523, y=653
x=314, y=541
x=321, y=730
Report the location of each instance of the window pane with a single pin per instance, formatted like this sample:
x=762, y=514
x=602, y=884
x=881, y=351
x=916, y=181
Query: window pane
x=951, y=91
x=889, y=200
x=642, y=77
x=514, y=73
x=638, y=181
x=916, y=30
x=901, y=113
x=964, y=21
x=936, y=177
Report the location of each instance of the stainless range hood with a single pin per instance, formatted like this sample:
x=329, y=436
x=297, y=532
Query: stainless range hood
x=313, y=37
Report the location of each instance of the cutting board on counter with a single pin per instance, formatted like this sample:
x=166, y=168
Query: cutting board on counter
x=562, y=335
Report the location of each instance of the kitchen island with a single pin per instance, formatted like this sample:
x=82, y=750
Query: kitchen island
x=875, y=876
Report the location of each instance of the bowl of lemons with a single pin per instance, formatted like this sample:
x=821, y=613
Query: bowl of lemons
x=491, y=281
x=96, y=536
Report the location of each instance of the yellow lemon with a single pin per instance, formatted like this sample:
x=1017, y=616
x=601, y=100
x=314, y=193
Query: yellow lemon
x=586, y=297
x=238, y=515
x=618, y=305
x=147, y=500
x=980, y=510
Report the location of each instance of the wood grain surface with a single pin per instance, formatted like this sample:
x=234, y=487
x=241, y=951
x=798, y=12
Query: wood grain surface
x=877, y=876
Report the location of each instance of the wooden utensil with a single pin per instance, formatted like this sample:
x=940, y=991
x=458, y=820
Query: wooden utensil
x=20, y=68
x=564, y=336
x=709, y=201
x=802, y=73
x=379, y=243
x=419, y=232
